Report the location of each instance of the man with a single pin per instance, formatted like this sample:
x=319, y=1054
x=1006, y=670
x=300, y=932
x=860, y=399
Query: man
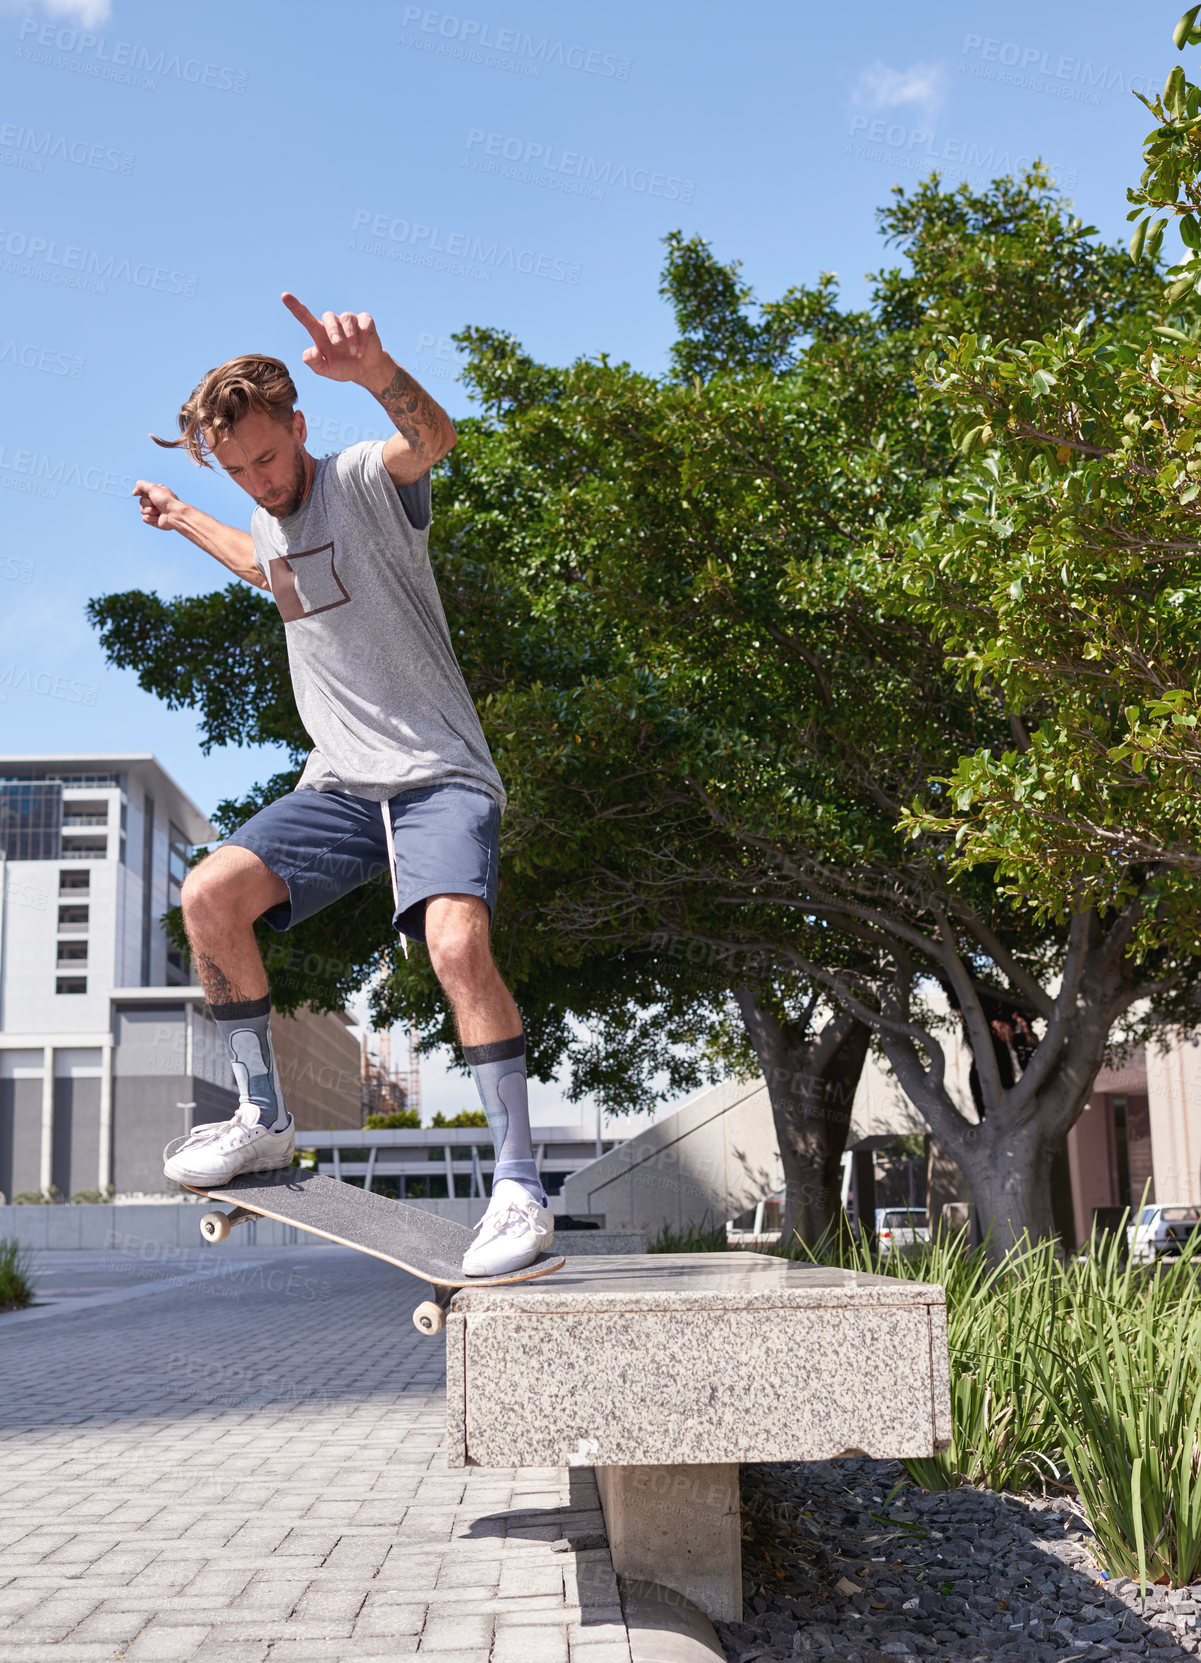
x=399, y=777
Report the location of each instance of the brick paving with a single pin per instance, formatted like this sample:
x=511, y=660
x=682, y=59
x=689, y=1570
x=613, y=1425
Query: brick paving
x=249, y=1465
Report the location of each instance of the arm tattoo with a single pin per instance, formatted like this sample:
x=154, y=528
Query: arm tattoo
x=415, y=415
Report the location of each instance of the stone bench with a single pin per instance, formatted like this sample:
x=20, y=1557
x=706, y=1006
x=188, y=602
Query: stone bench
x=664, y=1372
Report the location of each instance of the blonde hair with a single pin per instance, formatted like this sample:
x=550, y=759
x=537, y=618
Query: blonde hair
x=224, y=396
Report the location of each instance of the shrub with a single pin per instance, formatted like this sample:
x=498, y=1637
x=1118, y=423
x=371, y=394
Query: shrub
x=36, y=1198
x=1128, y=1393
x=16, y=1288
x=693, y=1238
x=465, y=1117
x=1001, y=1327
x=1090, y=1369
x=389, y=1122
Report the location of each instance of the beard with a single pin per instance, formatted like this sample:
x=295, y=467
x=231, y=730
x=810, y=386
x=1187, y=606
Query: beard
x=293, y=492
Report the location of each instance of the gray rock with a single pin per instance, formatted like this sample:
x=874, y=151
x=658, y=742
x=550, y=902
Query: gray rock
x=1103, y=1630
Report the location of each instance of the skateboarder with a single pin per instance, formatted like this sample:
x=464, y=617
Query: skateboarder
x=399, y=777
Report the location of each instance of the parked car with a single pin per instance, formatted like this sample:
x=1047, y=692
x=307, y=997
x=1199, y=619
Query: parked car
x=900, y=1227
x=1162, y=1230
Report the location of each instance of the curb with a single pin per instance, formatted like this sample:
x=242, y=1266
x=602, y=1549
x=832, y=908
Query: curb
x=664, y=1627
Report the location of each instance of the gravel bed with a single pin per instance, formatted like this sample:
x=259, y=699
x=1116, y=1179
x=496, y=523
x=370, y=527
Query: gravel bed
x=829, y=1571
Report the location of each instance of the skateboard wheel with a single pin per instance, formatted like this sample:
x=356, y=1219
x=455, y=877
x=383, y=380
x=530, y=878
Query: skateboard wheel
x=214, y=1226
x=429, y=1318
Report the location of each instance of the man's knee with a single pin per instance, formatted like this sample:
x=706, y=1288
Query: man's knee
x=201, y=889
x=231, y=885
x=461, y=956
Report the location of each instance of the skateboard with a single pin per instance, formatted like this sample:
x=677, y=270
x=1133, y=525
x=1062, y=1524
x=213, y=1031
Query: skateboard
x=406, y=1236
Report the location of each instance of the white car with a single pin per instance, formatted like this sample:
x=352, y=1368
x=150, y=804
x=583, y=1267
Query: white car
x=1162, y=1230
x=900, y=1227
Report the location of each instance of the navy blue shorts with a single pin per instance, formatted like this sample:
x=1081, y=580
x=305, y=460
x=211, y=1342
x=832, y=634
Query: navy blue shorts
x=323, y=844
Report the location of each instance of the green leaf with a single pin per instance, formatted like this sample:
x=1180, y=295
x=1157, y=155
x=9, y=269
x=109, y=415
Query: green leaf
x=1136, y=1511
x=1183, y=29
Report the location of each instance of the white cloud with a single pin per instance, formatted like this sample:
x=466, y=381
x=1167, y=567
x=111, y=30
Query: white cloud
x=881, y=88
x=89, y=14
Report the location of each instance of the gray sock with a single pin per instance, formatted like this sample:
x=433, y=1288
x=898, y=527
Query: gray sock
x=499, y=1074
x=246, y=1030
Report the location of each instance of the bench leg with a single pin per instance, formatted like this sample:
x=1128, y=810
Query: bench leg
x=680, y=1526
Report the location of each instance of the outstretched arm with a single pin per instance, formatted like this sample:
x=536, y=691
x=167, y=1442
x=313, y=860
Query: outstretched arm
x=346, y=347
x=162, y=509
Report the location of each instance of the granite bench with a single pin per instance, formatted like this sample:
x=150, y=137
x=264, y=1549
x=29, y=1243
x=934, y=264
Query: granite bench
x=664, y=1372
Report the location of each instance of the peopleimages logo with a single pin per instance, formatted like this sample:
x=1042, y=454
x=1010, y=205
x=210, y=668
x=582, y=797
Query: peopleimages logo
x=474, y=41
x=123, y=61
x=14, y=679
x=74, y=267
x=1041, y=71
x=459, y=252
x=915, y=147
x=23, y=147
x=566, y=170
x=41, y=358
x=35, y=474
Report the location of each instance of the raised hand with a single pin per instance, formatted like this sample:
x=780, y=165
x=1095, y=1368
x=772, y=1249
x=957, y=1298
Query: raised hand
x=345, y=345
x=160, y=507
x=346, y=348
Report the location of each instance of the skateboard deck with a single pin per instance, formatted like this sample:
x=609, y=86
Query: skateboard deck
x=406, y=1236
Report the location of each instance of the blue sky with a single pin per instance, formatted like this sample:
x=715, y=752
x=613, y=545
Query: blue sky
x=167, y=169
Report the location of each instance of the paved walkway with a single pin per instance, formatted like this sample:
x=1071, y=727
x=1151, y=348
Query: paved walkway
x=243, y=1461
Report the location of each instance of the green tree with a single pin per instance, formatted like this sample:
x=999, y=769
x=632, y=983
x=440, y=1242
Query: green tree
x=774, y=704
x=406, y=1118
x=1064, y=570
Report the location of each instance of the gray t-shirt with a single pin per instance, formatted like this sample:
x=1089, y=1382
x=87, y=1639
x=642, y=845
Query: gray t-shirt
x=377, y=684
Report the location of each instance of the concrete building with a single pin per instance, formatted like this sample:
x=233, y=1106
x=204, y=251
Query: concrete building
x=106, y=1050
x=1142, y=1129
x=320, y=1068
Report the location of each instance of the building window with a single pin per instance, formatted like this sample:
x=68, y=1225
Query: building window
x=31, y=817
x=72, y=920
x=178, y=850
x=80, y=814
x=89, y=782
x=177, y=863
x=73, y=882
x=85, y=847
x=71, y=984
x=147, y=882
x=70, y=952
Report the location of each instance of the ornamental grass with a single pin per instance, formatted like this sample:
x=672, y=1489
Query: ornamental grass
x=1083, y=1375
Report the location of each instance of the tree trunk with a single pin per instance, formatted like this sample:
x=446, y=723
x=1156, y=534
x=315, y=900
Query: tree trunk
x=1029, y=1089
x=1010, y=1175
x=811, y=1084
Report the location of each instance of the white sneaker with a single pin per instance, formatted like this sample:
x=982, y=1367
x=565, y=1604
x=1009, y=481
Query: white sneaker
x=215, y=1153
x=511, y=1234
